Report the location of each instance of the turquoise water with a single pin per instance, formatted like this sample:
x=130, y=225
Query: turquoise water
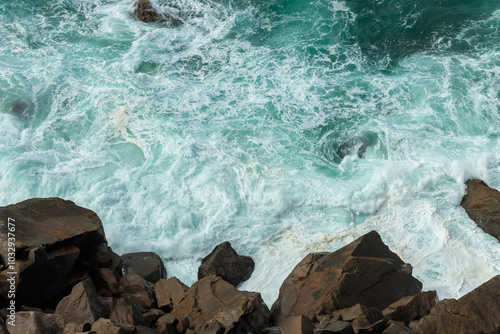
x=284, y=127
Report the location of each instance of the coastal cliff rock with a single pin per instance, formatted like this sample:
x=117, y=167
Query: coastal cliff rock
x=476, y=312
x=364, y=272
x=57, y=243
x=482, y=204
x=223, y=261
x=145, y=12
x=148, y=265
x=214, y=306
x=169, y=293
x=411, y=308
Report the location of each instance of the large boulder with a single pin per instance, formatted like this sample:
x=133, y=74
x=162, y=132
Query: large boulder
x=169, y=293
x=148, y=265
x=145, y=12
x=82, y=306
x=476, y=312
x=56, y=244
x=364, y=272
x=223, y=261
x=214, y=306
x=482, y=204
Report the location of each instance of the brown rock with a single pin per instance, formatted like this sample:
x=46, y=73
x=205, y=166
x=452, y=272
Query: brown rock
x=395, y=328
x=105, y=282
x=223, y=261
x=296, y=325
x=106, y=326
x=166, y=324
x=213, y=299
x=482, y=204
x=82, y=306
x=169, y=293
x=145, y=12
x=476, y=312
x=145, y=330
x=30, y=322
x=53, y=237
x=151, y=316
x=148, y=265
x=137, y=289
x=76, y=328
x=411, y=308
x=126, y=312
x=365, y=272
x=334, y=327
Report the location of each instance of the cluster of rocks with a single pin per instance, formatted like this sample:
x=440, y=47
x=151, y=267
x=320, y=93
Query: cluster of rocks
x=68, y=280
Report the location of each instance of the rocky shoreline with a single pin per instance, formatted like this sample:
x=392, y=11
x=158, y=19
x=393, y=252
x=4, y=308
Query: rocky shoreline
x=58, y=275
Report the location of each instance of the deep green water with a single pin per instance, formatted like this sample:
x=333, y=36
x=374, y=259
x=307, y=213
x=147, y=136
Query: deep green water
x=284, y=127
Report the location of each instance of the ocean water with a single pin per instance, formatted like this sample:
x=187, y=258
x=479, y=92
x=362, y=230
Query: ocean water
x=284, y=127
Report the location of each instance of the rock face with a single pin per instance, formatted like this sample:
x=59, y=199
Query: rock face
x=482, y=204
x=169, y=293
x=83, y=305
x=297, y=325
x=212, y=305
x=145, y=12
x=56, y=244
x=223, y=261
x=364, y=272
x=148, y=265
x=137, y=289
x=411, y=308
x=476, y=312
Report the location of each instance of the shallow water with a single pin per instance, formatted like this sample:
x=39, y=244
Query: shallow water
x=284, y=127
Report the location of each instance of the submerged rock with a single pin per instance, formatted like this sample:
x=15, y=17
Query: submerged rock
x=145, y=12
x=223, y=261
x=364, y=272
x=482, y=204
x=476, y=312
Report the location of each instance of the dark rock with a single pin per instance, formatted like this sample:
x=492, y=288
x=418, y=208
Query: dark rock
x=169, y=293
x=296, y=325
x=31, y=322
x=53, y=238
x=82, y=306
x=334, y=327
x=360, y=327
x=145, y=330
x=76, y=328
x=223, y=261
x=145, y=12
x=476, y=312
x=151, y=316
x=103, y=257
x=138, y=290
x=482, y=204
x=148, y=265
x=106, y=326
x=271, y=330
x=364, y=272
x=213, y=299
x=411, y=308
x=124, y=311
x=363, y=319
x=105, y=282
x=395, y=328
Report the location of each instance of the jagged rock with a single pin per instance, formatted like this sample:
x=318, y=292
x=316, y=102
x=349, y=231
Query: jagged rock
x=124, y=311
x=82, y=306
x=145, y=12
x=296, y=325
x=411, y=308
x=364, y=272
x=334, y=327
x=476, y=312
x=166, y=324
x=148, y=265
x=169, y=293
x=31, y=322
x=395, y=328
x=223, y=261
x=151, y=316
x=76, y=328
x=106, y=326
x=145, y=330
x=102, y=256
x=105, y=282
x=271, y=330
x=362, y=318
x=137, y=289
x=212, y=299
x=53, y=238
x=482, y=204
